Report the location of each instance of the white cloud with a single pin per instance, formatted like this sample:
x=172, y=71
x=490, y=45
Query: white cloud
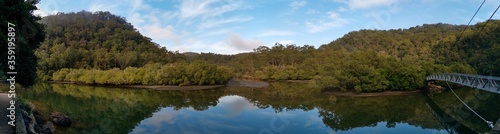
x=342, y=9
x=47, y=9
x=193, y=8
x=222, y=47
x=113, y=8
x=217, y=22
x=136, y=18
x=235, y=41
x=363, y=4
x=285, y=42
x=333, y=15
x=331, y=20
x=160, y=32
x=311, y=11
x=234, y=105
x=179, y=35
x=297, y=4
x=216, y=32
x=276, y=33
x=205, y=8
x=189, y=25
x=43, y=13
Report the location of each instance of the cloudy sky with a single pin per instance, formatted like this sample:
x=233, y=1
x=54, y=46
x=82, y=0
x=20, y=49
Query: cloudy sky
x=234, y=26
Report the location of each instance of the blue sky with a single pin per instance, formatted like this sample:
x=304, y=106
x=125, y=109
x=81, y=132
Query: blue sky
x=234, y=26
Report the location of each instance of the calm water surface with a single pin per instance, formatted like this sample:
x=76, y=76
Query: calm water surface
x=280, y=108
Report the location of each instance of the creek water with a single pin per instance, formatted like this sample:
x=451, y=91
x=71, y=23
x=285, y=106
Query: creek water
x=280, y=108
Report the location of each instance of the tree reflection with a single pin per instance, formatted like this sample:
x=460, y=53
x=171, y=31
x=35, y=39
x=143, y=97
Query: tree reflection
x=345, y=113
x=112, y=110
x=118, y=110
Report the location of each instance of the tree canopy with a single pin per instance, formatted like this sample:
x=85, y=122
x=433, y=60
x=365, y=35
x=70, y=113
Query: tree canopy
x=28, y=35
x=362, y=61
x=98, y=40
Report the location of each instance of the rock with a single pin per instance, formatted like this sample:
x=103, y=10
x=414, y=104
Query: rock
x=49, y=127
x=32, y=123
x=20, y=124
x=38, y=118
x=496, y=128
x=60, y=119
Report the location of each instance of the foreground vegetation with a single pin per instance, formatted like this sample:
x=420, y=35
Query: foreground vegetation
x=21, y=31
x=196, y=73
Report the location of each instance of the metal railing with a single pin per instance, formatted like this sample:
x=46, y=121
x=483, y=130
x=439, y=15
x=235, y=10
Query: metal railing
x=487, y=83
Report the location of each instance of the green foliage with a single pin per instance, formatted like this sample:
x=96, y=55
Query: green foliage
x=362, y=61
x=379, y=60
x=61, y=74
x=98, y=40
x=28, y=36
x=196, y=73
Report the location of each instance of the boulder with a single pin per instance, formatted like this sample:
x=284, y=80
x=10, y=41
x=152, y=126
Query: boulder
x=60, y=119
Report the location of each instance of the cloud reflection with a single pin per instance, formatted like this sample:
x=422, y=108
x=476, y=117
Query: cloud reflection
x=234, y=105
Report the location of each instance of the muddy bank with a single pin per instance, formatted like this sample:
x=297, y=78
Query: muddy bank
x=386, y=93
x=247, y=83
x=299, y=81
x=158, y=87
x=154, y=87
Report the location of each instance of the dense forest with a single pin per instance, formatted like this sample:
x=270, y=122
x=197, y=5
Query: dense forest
x=98, y=40
x=102, y=48
x=375, y=60
x=363, y=61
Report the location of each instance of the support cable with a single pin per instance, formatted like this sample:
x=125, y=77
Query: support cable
x=471, y=19
x=489, y=18
x=490, y=124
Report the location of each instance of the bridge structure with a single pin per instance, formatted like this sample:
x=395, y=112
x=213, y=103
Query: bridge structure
x=486, y=83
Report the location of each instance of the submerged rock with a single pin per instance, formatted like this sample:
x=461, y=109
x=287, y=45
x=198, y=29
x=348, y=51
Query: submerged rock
x=60, y=119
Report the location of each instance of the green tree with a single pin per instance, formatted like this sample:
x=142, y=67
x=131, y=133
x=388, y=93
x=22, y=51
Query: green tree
x=28, y=35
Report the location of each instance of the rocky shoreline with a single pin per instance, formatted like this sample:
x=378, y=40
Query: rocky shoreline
x=29, y=120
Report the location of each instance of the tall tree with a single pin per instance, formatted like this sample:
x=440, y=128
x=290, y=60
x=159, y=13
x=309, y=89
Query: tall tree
x=28, y=36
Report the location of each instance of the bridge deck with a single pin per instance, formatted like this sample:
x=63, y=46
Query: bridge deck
x=487, y=83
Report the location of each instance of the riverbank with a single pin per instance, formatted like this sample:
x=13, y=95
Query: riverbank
x=247, y=83
x=385, y=93
x=154, y=87
x=232, y=82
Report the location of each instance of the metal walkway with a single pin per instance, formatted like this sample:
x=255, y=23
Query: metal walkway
x=487, y=83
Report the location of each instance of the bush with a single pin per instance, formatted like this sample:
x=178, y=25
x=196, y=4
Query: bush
x=60, y=75
x=198, y=73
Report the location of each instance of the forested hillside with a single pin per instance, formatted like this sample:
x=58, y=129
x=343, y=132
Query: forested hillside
x=364, y=60
x=102, y=48
x=378, y=60
x=98, y=40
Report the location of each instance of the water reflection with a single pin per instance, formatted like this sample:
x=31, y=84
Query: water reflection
x=233, y=114
x=484, y=103
x=280, y=108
